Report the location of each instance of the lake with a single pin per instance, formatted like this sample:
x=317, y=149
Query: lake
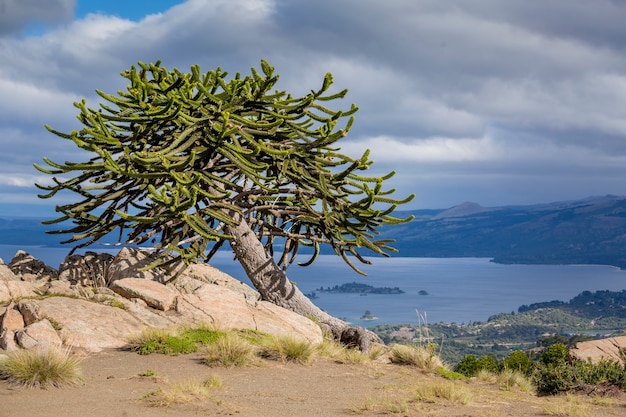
x=459, y=290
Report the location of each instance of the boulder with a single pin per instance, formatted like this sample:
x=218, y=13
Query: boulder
x=61, y=288
x=30, y=268
x=88, y=325
x=229, y=309
x=6, y=274
x=11, y=319
x=30, y=311
x=597, y=350
x=7, y=340
x=210, y=275
x=10, y=290
x=128, y=262
x=88, y=315
x=41, y=333
x=156, y=295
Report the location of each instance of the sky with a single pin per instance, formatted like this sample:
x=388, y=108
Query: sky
x=495, y=102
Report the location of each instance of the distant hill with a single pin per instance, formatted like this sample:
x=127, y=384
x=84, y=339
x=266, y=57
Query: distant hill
x=27, y=232
x=587, y=231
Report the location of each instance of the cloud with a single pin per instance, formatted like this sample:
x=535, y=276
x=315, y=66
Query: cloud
x=17, y=15
x=471, y=96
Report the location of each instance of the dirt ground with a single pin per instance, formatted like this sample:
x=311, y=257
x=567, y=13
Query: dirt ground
x=115, y=384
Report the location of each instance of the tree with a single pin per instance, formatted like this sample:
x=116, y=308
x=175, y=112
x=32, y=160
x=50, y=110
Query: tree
x=189, y=161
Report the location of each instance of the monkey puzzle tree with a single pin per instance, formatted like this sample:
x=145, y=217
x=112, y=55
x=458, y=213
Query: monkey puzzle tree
x=188, y=161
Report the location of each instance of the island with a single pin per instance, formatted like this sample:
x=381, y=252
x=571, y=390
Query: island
x=359, y=288
x=368, y=316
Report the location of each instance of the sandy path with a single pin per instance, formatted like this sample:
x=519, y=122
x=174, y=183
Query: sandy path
x=113, y=387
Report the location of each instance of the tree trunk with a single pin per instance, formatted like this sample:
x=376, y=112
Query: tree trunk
x=274, y=286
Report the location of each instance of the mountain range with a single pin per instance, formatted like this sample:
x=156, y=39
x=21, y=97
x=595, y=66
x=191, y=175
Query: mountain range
x=586, y=231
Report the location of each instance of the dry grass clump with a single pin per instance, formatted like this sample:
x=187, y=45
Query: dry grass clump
x=288, y=349
x=182, y=392
x=402, y=399
x=442, y=390
x=42, y=368
x=508, y=379
x=341, y=354
x=567, y=406
x=385, y=404
x=230, y=350
x=421, y=357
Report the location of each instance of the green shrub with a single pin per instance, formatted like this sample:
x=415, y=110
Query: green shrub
x=488, y=363
x=553, y=379
x=448, y=374
x=609, y=372
x=161, y=341
x=467, y=366
x=556, y=354
x=204, y=335
x=519, y=361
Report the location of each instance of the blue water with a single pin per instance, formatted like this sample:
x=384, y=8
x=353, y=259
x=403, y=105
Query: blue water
x=460, y=290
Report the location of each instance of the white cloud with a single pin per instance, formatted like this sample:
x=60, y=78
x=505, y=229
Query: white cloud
x=431, y=150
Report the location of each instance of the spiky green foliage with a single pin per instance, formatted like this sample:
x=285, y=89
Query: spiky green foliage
x=178, y=156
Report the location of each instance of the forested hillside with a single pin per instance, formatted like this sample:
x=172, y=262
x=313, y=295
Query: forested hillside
x=588, y=315
x=588, y=231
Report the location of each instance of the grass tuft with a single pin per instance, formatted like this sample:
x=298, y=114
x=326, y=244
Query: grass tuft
x=443, y=390
x=567, y=406
x=182, y=392
x=162, y=341
x=42, y=368
x=509, y=379
x=230, y=350
x=421, y=357
x=448, y=374
x=288, y=349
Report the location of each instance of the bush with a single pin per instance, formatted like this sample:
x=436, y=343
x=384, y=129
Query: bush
x=553, y=379
x=519, y=361
x=562, y=377
x=467, y=366
x=603, y=372
x=488, y=363
x=556, y=354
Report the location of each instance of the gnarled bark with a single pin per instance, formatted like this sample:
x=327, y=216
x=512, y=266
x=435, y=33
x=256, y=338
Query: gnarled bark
x=274, y=286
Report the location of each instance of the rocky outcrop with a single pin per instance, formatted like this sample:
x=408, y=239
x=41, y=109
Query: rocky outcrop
x=155, y=294
x=28, y=268
x=99, y=301
x=611, y=349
